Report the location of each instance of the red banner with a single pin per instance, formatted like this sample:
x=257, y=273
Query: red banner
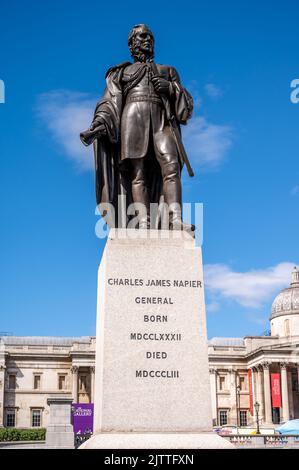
x=275, y=390
x=250, y=392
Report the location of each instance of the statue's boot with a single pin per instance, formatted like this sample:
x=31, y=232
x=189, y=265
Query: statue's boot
x=178, y=224
x=173, y=196
x=144, y=223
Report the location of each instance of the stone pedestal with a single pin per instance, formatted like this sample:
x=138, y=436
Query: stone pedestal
x=152, y=385
x=60, y=433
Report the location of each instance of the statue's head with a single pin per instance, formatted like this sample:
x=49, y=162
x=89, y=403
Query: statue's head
x=141, y=43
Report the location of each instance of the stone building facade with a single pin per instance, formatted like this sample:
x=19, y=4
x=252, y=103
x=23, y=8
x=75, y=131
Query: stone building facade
x=33, y=369
x=242, y=372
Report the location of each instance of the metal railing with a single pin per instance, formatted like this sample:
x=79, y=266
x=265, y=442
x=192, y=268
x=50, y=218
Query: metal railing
x=241, y=440
x=276, y=440
x=263, y=441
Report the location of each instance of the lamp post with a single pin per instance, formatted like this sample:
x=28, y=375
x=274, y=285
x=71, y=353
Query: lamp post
x=257, y=407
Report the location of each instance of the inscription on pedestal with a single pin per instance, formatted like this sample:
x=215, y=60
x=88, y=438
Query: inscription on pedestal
x=152, y=318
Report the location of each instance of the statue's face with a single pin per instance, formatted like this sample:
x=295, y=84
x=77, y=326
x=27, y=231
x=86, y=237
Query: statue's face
x=144, y=41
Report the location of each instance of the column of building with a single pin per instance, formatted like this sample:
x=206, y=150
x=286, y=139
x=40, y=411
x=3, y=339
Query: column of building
x=267, y=393
x=74, y=370
x=260, y=392
x=254, y=391
x=2, y=387
x=92, y=384
x=213, y=383
x=284, y=392
x=233, y=418
x=291, y=398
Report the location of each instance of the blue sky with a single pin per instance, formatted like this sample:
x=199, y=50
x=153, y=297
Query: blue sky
x=238, y=60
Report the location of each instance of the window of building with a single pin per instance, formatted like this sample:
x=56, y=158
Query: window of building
x=243, y=417
x=223, y=417
x=61, y=382
x=242, y=383
x=287, y=327
x=12, y=381
x=36, y=382
x=222, y=382
x=10, y=418
x=36, y=418
x=276, y=415
x=295, y=383
x=83, y=383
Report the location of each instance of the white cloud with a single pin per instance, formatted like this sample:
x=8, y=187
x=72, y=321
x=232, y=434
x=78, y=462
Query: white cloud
x=295, y=190
x=213, y=91
x=260, y=321
x=249, y=289
x=212, y=307
x=206, y=143
x=66, y=114
x=193, y=87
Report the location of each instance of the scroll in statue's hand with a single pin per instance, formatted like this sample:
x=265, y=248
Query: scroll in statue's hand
x=161, y=85
x=96, y=131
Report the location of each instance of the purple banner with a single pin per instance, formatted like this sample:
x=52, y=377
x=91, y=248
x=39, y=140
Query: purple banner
x=82, y=418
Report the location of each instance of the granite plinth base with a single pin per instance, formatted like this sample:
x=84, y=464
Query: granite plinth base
x=60, y=433
x=208, y=440
x=152, y=372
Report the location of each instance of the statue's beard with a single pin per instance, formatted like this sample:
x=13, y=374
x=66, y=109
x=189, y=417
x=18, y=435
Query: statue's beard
x=141, y=55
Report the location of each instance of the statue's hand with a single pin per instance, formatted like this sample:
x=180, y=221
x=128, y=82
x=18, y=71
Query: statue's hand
x=161, y=85
x=100, y=127
x=96, y=131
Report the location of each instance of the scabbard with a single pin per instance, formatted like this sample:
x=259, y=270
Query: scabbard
x=182, y=153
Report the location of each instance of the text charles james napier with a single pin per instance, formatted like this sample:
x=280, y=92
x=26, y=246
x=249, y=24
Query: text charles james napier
x=194, y=283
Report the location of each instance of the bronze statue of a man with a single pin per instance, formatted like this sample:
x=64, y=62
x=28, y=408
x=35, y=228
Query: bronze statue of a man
x=136, y=134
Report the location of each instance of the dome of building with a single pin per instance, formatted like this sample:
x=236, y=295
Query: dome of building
x=285, y=309
x=287, y=301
